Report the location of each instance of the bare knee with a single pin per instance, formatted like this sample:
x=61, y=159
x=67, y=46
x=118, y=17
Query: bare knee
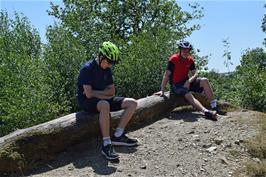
x=188, y=96
x=204, y=81
x=103, y=105
x=129, y=103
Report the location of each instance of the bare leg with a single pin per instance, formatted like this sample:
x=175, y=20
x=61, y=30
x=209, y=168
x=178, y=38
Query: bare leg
x=204, y=83
x=194, y=102
x=104, y=119
x=129, y=104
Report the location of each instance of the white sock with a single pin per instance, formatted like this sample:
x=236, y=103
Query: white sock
x=204, y=110
x=213, y=103
x=106, y=141
x=119, y=132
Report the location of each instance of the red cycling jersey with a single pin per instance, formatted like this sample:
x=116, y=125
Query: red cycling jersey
x=180, y=68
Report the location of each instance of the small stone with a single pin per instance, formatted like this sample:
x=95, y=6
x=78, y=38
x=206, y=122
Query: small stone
x=70, y=168
x=206, y=131
x=241, y=141
x=195, y=175
x=224, y=160
x=180, y=148
x=211, y=149
x=207, y=145
x=202, y=169
x=256, y=159
x=180, y=139
x=218, y=141
x=191, y=132
x=119, y=170
x=143, y=166
x=197, y=139
x=237, y=142
x=229, y=145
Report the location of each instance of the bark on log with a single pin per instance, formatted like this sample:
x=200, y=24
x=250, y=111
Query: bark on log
x=21, y=149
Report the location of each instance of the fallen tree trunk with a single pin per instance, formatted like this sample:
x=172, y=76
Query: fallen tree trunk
x=21, y=149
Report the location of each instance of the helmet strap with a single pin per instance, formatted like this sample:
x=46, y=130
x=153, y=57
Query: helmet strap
x=182, y=58
x=100, y=59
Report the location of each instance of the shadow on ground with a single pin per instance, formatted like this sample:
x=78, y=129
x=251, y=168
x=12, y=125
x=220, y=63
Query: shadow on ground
x=88, y=154
x=186, y=115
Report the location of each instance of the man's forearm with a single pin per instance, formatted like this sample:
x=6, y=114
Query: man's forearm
x=99, y=94
x=164, y=82
x=103, y=94
x=194, y=76
x=109, y=91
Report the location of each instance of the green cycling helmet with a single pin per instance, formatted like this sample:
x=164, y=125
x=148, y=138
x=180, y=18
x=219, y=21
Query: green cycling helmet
x=110, y=51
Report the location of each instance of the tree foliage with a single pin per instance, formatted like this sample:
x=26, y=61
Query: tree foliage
x=63, y=57
x=96, y=21
x=251, y=76
x=24, y=95
x=246, y=86
x=264, y=25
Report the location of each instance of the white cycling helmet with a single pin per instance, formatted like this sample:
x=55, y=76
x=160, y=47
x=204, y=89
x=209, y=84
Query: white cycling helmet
x=185, y=45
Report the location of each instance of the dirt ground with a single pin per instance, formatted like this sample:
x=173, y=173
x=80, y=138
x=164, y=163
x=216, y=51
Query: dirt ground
x=180, y=144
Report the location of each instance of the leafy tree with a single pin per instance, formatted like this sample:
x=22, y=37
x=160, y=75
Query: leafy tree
x=95, y=21
x=251, y=76
x=264, y=25
x=63, y=57
x=17, y=36
x=24, y=95
x=144, y=62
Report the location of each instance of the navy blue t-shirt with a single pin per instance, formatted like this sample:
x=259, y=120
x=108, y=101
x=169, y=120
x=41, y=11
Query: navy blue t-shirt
x=92, y=74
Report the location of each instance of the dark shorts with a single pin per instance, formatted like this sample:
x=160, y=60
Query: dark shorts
x=90, y=105
x=194, y=87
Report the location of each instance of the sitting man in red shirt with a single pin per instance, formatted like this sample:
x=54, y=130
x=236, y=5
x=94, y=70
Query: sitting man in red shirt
x=179, y=65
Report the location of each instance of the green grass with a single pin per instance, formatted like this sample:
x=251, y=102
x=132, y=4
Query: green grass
x=257, y=149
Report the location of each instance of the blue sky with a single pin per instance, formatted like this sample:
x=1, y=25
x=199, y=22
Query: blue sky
x=239, y=21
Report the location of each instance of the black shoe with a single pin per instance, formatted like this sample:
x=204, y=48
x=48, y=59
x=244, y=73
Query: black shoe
x=123, y=140
x=109, y=152
x=220, y=112
x=211, y=115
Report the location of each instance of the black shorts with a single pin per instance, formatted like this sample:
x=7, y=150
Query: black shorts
x=90, y=105
x=194, y=87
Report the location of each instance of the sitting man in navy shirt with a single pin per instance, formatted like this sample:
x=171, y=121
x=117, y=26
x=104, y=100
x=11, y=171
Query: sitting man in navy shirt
x=96, y=94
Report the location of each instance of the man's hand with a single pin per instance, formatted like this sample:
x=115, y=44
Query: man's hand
x=160, y=93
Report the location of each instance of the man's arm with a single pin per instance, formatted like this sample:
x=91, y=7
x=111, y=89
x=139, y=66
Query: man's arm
x=192, y=78
x=107, y=93
x=167, y=73
x=164, y=83
x=165, y=80
x=194, y=75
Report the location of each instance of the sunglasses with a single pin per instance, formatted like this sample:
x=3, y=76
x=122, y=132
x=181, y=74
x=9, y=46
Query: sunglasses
x=111, y=62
